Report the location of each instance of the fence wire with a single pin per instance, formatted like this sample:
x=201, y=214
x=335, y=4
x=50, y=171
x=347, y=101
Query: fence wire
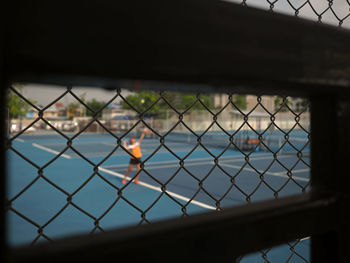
x=232, y=138
x=334, y=12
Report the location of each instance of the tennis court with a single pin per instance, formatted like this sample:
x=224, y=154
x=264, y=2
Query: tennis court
x=210, y=177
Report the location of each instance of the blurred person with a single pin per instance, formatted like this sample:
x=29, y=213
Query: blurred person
x=135, y=148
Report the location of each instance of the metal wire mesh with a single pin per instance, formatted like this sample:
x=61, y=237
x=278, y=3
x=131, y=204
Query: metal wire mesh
x=325, y=11
x=231, y=141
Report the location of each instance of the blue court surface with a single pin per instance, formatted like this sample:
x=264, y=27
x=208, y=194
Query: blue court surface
x=102, y=197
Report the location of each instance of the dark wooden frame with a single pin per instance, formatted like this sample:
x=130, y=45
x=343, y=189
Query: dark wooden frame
x=210, y=44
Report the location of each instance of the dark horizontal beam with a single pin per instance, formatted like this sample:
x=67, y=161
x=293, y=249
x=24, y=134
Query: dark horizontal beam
x=214, y=236
x=212, y=42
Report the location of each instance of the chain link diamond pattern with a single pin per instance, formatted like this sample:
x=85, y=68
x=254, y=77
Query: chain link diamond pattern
x=200, y=143
x=335, y=12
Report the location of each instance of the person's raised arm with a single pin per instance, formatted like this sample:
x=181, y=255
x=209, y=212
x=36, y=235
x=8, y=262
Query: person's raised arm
x=145, y=131
x=142, y=136
x=125, y=146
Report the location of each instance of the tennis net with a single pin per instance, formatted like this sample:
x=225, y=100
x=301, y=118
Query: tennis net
x=244, y=141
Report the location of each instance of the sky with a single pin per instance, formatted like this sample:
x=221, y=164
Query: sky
x=44, y=94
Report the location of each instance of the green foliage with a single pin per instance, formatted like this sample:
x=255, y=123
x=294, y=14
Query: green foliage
x=240, y=101
x=183, y=101
x=281, y=103
x=17, y=107
x=304, y=104
x=142, y=100
x=300, y=104
x=95, y=106
x=72, y=109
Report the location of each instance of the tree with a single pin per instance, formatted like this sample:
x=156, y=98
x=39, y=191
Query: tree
x=95, y=106
x=142, y=100
x=182, y=101
x=281, y=103
x=16, y=105
x=299, y=104
x=240, y=101
x=72, y=109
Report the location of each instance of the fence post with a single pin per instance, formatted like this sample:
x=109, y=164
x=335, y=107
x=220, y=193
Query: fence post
x=330, y=127
x=3, y=134
x=342, y=179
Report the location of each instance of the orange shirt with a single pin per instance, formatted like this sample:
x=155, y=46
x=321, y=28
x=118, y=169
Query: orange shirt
x=253, y=141
x=135, y=150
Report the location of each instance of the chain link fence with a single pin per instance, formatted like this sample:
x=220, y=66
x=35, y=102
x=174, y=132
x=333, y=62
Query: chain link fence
x=235, y=139
x=334, y=12
x=250, y=147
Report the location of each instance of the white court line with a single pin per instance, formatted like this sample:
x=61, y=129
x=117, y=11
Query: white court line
x=143, y=143
x=279, y=174
x=269, y=173
x=51, y=151
x=170, y=165
x=160, y=190
x=99, y=154
x=230, y=158
x=296, y=171
x=20, y=140
x=75, y=143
